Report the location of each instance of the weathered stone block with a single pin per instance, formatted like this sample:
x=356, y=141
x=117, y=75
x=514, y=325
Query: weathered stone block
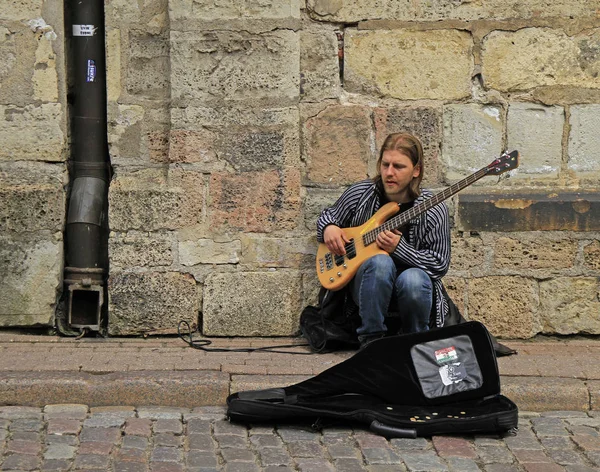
x=234, y=66
x=468, y=252
x=155, y=134
x=241, y=139
x=279, y=252
x=45, y=76
x=255, y=201
x=423, y=122
x=584, y=139
x=125, y=133
x=158, y=146
x=19, y=10
x=32, y=133
x=535, y=57
x=457, y=289
x=148, y=66
x=591, y=255
x=30, y=278
x=570, y=305
x=253, y=150
x=337, y=145
x=535, y=253
x=506, y=305
x=434, y=64
x=29, y=70
x=140, y=250
x=546, y=393
x=142, y=302
x=536, y=131
x=208, y=10
x=194, y=146
x=315, y=202
x=154, y=199
x=207, y=251
x=319, y=65
x=265, y=304
x=150, y=13
x=113, y=65
x=33, y=197
x=472, y=138
x=8, y=53
x=424, y=10
x=529, y=212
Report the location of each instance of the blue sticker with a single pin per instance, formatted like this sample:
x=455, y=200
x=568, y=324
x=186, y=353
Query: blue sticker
x=91, y=71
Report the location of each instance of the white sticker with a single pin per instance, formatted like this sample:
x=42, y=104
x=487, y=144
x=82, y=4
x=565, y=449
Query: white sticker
x=84, y=30
x=452, y=373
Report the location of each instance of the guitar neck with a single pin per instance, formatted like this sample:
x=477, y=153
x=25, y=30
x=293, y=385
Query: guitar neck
x=404, y=217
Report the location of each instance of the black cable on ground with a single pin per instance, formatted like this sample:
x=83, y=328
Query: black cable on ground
x=202, y=343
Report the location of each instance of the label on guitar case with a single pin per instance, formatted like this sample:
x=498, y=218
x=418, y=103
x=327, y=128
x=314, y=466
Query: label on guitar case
x=447, y=354
x=453, y=373
x=446, y=366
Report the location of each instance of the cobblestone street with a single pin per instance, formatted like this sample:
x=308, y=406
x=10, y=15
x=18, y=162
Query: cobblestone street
x=163, y=439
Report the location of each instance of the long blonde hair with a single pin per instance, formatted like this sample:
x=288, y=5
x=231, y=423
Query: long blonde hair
x=410, y=146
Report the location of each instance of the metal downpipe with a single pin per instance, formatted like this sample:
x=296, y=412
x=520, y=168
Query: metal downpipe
x=86, y=233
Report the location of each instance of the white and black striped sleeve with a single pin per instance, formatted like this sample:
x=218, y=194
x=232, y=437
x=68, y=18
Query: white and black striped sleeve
x=342, y=211
x=433, y=254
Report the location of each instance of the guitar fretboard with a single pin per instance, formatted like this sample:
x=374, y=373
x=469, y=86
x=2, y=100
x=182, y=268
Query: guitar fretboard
x=399, y=220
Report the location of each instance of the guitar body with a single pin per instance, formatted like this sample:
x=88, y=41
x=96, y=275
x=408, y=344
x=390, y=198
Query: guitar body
x=335, y=272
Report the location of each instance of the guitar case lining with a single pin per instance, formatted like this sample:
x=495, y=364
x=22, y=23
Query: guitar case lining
x=440, y=381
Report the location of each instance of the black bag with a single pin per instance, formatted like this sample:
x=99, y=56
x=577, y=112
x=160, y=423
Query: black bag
x=440, y=381
x=332, y=325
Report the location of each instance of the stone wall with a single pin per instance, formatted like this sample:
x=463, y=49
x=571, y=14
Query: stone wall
x=232, y=124
x=33, y=151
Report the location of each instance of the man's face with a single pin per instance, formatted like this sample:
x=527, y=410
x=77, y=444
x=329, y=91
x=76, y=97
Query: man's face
x=397, y=171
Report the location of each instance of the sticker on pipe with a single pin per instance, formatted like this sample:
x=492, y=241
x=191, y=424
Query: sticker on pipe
x=84, y=30
x=91, y=71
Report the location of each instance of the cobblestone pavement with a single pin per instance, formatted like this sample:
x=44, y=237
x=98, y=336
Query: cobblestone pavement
x=163, y=439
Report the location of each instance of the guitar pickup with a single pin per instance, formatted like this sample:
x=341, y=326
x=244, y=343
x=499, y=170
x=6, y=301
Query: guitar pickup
x=328, y=261
x=339, y=260
x=350, y=249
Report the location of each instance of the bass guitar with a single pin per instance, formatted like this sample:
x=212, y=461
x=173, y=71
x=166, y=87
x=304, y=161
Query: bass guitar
x=335, y=272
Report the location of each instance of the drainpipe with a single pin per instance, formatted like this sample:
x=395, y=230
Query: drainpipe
x=86, y=233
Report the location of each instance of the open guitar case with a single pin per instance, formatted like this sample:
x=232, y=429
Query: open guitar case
x=436, y=382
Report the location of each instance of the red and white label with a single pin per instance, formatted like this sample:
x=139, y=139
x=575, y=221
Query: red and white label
x=448, y=354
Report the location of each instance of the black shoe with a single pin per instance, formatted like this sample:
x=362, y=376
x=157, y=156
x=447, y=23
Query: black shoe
x=366, y=339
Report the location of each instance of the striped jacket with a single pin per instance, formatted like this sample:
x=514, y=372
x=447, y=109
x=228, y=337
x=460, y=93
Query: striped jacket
x=429, y=234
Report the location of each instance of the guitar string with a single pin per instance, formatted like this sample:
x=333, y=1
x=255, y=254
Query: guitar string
x=396, y=222
x=399, y=220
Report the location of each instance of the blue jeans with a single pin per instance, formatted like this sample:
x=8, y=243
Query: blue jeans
x=376, y=287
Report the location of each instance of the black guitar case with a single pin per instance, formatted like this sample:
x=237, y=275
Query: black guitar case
x=436, y=382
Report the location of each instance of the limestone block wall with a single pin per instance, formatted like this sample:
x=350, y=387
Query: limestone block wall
x=33, y=151
x=231, y=126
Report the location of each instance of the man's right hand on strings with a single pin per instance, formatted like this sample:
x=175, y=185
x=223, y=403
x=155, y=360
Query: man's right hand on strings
x=335, y=240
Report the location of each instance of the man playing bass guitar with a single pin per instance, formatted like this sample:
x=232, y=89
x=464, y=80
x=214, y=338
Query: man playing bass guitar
x=409, y=282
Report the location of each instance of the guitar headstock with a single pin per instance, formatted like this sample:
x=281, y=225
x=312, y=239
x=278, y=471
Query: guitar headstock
x=507, y=161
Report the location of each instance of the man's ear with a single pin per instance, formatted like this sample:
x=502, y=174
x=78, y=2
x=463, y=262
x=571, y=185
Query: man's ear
x=417, y=171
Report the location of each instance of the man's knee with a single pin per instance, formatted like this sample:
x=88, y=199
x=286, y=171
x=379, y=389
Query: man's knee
x=413, y=282
x=380, y=267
